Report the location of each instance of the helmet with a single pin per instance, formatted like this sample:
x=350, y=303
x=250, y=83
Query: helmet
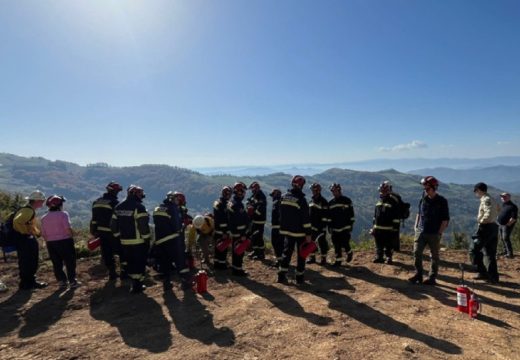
x=298, y=181
x=135, y=190
x=430, y=181
x=275, y=193
x=226, y=191
x=55, y=201
x=385, y=187
x=180, y=197
x=239, y=186
x=335, y=187
x=315, y=186
x=36, y=195
x=114, y=187
x=255, y=186
x=198, y=221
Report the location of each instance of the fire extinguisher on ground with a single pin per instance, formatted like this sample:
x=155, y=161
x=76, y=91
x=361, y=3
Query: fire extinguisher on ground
x=201, y=282
x=463, y=294
x=474, y=306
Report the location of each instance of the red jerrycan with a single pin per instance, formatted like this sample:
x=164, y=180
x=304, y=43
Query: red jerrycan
x=307, y=248
x=93, y=243
x=242, y=246
x=201, y=281
x=224, y=243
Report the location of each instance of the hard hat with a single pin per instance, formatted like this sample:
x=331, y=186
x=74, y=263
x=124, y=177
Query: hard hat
x=226, y=191
x=114, y=187
x=180, y=197
x=335, y=187
x=137, y=191
x=239, y=187
x=198, y=221
x=384, y=187
x=275, y=193
x=255, y=186
x=55, y=201
x=298, y=181
x=430, y=181
x=36, y=195
x=315, y=186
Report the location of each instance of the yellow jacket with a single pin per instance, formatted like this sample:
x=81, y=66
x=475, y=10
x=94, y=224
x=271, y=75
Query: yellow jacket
x=25, y=222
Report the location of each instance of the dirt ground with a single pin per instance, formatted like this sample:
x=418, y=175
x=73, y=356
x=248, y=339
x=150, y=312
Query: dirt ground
x=359, y=311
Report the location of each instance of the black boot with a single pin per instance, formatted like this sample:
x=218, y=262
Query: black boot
x=416, y=279
x=430, y=281
x=311, y=259
x=300, y=279
x=282, y=279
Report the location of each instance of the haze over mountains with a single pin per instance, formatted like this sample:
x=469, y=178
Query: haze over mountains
x=82, y=184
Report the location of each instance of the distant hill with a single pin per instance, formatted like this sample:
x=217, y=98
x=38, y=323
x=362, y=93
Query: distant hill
x=82, y=184
x=504, y=177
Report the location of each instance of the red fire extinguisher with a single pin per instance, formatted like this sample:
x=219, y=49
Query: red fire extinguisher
x=474, y=305
x=242, y=246
x=224, y=243
x=201, y=282
x=463, y=294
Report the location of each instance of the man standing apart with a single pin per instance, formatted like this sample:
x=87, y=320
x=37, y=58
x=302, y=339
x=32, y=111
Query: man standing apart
x=506, y=221
x=486, y=240
x=26, y=230
x=431, y=221
x=295, y=226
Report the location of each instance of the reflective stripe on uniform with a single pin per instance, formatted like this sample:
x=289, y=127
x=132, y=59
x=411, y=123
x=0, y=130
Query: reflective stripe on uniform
x=290, y=203
x=275, y=227
x=241, y=227
x=339, y=205
x=379, y=227
x=105, y=206
x=166, y=238
x=103, y=228
x=258, y=222
x=132, y=241
x=285, y=232
x=348, y=227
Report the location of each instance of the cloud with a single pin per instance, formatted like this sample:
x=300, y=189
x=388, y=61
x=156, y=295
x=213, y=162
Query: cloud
x=415, y=144
x=503, y=142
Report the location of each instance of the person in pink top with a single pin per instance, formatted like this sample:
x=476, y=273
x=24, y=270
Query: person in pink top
x=57, y=232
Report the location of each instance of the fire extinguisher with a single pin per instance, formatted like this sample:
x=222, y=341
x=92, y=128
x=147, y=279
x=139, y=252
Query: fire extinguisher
x=463, y=294
x=307, y=248
x=93, y=243
x=201, y=282
x=223, y=244
x=474, y=305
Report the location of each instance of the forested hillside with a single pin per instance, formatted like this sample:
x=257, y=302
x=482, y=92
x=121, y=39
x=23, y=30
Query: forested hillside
x=82, y=184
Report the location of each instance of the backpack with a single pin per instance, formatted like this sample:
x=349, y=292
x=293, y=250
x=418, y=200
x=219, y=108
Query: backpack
x=404, y=210
x=7, y=232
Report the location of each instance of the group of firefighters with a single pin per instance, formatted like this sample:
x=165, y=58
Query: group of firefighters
x=123, y=230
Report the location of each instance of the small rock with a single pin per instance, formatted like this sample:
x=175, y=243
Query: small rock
x=408, y=348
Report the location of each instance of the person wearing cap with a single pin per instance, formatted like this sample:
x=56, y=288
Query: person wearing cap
x=506, y=222
x=57, y=233
x=27, y=230
x=432, y=219
x=486, y=239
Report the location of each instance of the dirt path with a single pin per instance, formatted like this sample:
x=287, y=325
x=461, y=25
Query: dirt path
x=361, y=311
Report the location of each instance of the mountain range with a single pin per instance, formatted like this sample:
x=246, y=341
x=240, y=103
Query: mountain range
x=82, y=184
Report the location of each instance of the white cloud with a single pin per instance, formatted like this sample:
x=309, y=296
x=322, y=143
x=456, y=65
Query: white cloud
x=415, y=144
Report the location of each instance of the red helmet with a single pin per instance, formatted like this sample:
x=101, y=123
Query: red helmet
x=385, y=187
x=180, y=197
x=114, y=187
x=430, y=181
x=315, y=186
x=226, y=191
x=255, y=186
x=137, y=191
x=55, y=201
x=335, y=187
x=298, y=181
x=275, y=193
x=239, y=187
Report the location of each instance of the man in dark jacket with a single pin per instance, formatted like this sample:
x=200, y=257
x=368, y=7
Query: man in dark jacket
x=506, y=221
x=385, y=224
x=169, y=245
x=341, y=221
x=130, y=224
x=276, y=238
x=238, y=222
x=257, y=211
x=102, y=210
x=221, y=227
x=295, y=226
x=319, y=208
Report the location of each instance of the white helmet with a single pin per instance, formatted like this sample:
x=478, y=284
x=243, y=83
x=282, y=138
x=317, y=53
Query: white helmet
x=36, y=195
x=198, y=221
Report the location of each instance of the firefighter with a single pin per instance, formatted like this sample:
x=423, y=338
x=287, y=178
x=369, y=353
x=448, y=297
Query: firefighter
x=102, y=210
x=26, y=230
x=204, y=226
x=318, y=211
x=385, y=224
x=130, y=224
x=169, y=244
x=238, y=221
x=341, y=221
x=295, y=226
x=276, y=238
x=396, y=236
x=257, y=211
x=186, y=220
x=221, y=227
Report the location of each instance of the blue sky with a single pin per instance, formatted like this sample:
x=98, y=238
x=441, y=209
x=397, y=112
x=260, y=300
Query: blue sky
x=222, y=83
